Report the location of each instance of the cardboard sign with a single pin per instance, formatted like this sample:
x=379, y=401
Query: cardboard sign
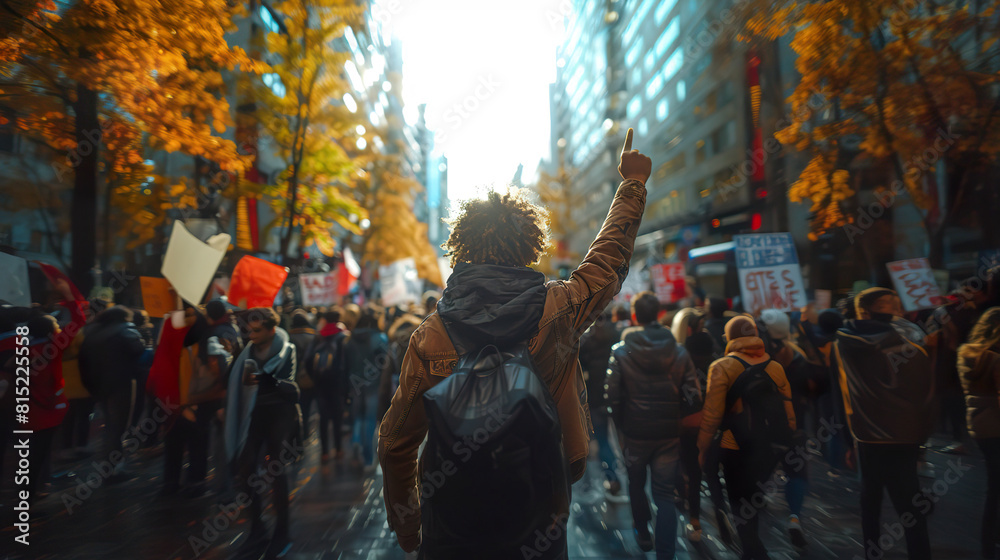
x=157, y=296
x=190, y=264
x=770, y=276
x=319, y=288
x=915, y=283
x=399, y=282
x=14, y=287
x=255, y=283
x=669, y=282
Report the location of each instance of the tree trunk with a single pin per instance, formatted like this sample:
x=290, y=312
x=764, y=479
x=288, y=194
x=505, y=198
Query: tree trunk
x=293, y=188
x=83, y=214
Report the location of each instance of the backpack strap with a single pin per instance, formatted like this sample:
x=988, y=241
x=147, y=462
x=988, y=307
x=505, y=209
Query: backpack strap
x=733, y=394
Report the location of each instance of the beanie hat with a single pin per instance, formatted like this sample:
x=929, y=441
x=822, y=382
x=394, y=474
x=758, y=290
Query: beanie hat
x=778, y=325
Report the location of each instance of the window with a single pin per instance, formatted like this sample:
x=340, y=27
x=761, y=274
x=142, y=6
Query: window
x=662, y=10
x=681, y=91
x=268, y=19
x=662, y=109
x=650, y=61
x=643, y=127
x=700, y=153
x=636, y=77
x=723, y=138
x=672, y=167
x=633, y=53
x=725, y=93
x=668, y=37
x=673, y=64
x=634, y=107
x=654, y=86
x=637, y=19
x=274, y=82
x=709, y=105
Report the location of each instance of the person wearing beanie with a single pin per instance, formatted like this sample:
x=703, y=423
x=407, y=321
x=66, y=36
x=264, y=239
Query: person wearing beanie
x=743, y=470
x=887, y=381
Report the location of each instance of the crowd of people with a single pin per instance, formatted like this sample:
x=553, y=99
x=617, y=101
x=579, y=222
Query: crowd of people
x=232, y=389
x=691, y=392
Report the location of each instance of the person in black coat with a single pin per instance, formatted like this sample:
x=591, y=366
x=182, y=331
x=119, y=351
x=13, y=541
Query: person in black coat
x=651, y=386
x=110, y=364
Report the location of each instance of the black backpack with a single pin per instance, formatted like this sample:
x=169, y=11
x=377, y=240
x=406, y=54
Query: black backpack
x=761, y=428
x=327, y=362
x=495, y=479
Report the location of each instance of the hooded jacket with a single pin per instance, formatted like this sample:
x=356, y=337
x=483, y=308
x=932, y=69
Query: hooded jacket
x=651, y=384
x=887, y=381
x=109, y=357
x=506, y=305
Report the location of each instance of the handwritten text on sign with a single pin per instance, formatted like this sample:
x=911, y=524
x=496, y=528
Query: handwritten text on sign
x=770, y=277
x=668, y=279
x=318, y=289
x=915, y=283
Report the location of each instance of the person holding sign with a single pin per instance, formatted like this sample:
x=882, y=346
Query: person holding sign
x=493, y=297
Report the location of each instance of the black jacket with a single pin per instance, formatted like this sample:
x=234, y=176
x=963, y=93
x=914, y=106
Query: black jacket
x=651, y=384
x=887, y=380
x=110, y=354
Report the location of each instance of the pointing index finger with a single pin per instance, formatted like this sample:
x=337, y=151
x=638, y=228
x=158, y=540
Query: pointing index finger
x=628, y=141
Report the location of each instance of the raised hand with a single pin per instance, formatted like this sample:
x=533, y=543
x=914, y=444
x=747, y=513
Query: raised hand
x=634, y=165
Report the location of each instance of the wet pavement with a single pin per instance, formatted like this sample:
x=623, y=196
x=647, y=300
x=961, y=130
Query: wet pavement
x=338, y=513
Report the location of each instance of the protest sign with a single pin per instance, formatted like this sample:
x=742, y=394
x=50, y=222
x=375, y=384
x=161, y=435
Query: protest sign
x=399, y=282
x=157, y=296
x=190, y=264
x=915, y=283
x=770, y=277
x=669, y=282
x=255, y=282
x=318, y=289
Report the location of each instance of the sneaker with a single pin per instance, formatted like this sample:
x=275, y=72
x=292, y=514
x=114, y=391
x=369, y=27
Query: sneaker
x=644, y=539
x=693, y=531
x=795, y=533
x=925, y=469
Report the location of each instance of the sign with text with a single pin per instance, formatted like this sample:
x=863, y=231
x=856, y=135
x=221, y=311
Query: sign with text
x=669, y=282
x=770, y=276
x=319, y=288
x=915, y=283
x=399, y=282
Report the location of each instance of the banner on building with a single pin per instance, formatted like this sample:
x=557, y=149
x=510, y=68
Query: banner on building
x=399, y=282
x=669, y=282
x=915, y=283
x=319, y=288
x=770, y=276
x=190, y=264
x=158, y=296
x=14, y=287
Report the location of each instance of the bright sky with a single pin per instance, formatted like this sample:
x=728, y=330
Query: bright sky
x=483, y=69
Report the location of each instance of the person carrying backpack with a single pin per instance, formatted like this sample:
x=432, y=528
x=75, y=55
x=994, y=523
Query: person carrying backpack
x=326, y=366
x=497, y=310
x=748, y=397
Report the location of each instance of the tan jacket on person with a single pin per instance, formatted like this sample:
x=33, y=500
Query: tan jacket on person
x=569, y=309
x=981, y=383
x=721, y=376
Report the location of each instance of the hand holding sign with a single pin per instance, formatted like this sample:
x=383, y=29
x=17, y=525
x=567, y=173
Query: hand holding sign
x=633, y=164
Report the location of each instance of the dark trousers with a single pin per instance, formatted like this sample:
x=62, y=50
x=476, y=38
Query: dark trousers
x=990, y=528
x=893, y=468
x=331, y=410
x=41, y=459
x=661, y=458
x=272, y=430
x=76, y=425
x=195, y=437
x=692, y=471
x=745, y=477
x=117, y=413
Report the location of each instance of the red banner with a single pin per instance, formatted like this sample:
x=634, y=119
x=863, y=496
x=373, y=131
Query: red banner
x=255, y=282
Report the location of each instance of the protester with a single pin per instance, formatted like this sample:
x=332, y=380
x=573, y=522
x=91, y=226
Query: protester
x=595, y=349
x=262, y=414
x=326, y=365
x=715, y=324
x=979, y=369
x=492, y=297
x=887, y=381
x=367, y=351
x=651, y=386
x=303, y=335
x=109, y=366
x=745, y=469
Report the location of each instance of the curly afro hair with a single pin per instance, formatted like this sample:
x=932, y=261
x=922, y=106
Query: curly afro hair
x=504, y=229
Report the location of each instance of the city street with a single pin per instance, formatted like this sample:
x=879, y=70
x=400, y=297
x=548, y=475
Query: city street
x=337, y=513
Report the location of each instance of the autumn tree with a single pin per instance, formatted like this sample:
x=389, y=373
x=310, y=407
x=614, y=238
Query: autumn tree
x=557, y=195
x=911, y=85
x=301, y=109
x=101, y=81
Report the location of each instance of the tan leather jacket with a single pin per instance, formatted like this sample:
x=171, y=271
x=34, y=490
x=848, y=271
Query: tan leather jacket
x=570, y=307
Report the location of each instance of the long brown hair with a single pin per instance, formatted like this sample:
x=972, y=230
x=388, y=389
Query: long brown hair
x=985, y=335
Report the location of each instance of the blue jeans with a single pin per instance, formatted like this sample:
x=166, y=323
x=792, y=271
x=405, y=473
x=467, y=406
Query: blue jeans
x=599, y=418
x=365, y=424
x=661, y=458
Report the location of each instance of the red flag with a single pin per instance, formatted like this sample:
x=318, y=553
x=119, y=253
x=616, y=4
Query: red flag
x=255, y=282
x=347, y=273
x=54, y=275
